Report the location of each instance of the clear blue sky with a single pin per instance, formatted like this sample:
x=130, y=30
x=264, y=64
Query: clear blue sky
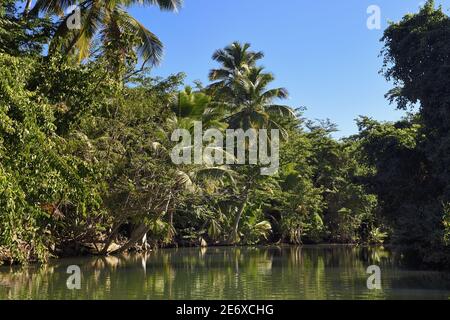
x=320, y=50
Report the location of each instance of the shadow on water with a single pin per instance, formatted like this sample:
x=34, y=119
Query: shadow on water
x=309, y=272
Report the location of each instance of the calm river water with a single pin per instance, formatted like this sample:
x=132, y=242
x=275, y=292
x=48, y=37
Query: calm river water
x=309, y=272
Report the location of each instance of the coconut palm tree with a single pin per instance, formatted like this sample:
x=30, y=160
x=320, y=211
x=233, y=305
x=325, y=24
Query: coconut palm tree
x=242, y=90
x=107, y=19
x=236, y=59
x=254, y=105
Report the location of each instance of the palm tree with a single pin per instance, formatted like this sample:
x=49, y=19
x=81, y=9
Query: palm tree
x=236, y=60
x=107, y=19
x=242, y=89
x=254, y=105
x=247, y=100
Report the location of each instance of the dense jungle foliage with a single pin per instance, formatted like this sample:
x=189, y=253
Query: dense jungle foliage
x=85, y=142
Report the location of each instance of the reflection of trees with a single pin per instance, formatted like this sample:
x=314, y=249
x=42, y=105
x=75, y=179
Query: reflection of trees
x=319, y=272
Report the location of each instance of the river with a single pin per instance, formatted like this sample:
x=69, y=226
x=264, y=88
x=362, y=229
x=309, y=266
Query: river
x=308, y=272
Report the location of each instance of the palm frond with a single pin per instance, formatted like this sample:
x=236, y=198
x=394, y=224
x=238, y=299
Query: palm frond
x=216, y=173
x=184, y=180
x=278, y=93
x=275, y=125
x=167, y=5
x=52, y=6
x=150, y=48
x=284, y=111
x=217, y=74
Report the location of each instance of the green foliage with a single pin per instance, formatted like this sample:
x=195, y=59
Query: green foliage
x=38, y=178
x=111, y=23
x=320, y=198
x=417, y=59
x=84, y=148
x=22, y=36
x=446, y=222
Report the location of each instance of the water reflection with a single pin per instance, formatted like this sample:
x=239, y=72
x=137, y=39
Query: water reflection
x=316, y=272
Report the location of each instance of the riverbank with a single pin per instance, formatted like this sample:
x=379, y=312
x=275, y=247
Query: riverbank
x=91, y=250
x=95, y=250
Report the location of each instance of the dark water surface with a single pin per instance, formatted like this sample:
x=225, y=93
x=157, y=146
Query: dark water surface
x=309, y=272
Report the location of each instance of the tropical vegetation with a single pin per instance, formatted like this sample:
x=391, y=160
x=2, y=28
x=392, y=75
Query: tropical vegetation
x=85, y=144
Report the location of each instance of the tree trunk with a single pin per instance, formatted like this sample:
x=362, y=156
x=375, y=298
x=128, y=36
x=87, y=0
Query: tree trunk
x=299, y=235
x=144, y=242
x=170, y=233
x=110, y=238
x=237, y=219
x=135, y=237
x=171, y=218
x=27, y=7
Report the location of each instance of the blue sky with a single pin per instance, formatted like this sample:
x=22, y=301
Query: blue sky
x=320, y=50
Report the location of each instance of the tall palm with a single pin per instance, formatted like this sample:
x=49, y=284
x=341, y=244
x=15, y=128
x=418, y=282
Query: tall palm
x=236, y=59
x=247, y=100
x=242, y=89
x=107, y=19
x=254, y=105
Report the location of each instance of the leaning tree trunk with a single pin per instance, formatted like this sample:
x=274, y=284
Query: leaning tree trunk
x=137, y=235
x=111, y=237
